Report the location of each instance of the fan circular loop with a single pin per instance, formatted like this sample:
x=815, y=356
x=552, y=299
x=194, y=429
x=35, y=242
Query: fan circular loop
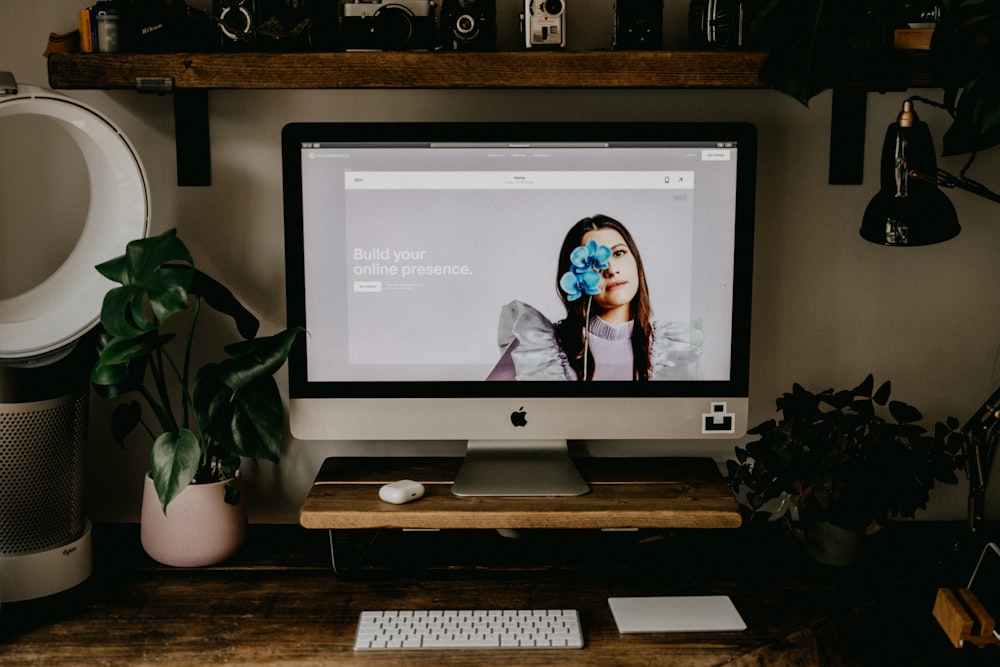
x=46, y=320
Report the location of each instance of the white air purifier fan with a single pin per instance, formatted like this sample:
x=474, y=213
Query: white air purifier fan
x=64, y=161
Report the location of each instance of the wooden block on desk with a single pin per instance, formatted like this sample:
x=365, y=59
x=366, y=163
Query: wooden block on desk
x=963, y=618
x=986, y=622
x=952, y=616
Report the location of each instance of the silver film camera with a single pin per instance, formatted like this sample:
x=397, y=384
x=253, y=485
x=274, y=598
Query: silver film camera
x=389, y=25
x=544, y=24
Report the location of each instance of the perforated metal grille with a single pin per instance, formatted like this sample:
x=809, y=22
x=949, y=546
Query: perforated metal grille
x=42, y=451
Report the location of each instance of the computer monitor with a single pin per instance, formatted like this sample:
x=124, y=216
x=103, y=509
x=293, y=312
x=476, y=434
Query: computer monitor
x=430, y=264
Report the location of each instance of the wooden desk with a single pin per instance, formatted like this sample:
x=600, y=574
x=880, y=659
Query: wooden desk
x=625, y=493
x=277, y=602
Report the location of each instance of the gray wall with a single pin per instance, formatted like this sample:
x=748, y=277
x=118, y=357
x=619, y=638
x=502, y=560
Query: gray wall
x=829, y=308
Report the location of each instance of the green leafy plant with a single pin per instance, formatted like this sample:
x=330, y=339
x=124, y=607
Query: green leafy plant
x=836, y=459
x=207, y=421
x=817, y=45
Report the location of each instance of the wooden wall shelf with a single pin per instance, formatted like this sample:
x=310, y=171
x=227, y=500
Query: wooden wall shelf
x=413, y=69
x=189, y=76
x=418, y=69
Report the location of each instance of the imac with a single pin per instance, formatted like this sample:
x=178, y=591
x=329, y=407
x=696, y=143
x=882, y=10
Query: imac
x=428, y=263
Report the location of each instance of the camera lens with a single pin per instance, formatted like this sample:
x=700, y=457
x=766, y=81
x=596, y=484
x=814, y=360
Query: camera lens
x=553, y=6
x=392, y=27
x=235, y=23
x=465, y=24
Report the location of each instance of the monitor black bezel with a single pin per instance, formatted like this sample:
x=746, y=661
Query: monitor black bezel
x=744, y=135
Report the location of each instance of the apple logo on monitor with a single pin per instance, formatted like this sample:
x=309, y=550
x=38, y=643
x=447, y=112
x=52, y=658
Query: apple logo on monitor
x=519, y=417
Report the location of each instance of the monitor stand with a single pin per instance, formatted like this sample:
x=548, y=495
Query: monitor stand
x=518, y=468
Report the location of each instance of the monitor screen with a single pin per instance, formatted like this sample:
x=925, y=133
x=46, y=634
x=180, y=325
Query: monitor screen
x=519, y=283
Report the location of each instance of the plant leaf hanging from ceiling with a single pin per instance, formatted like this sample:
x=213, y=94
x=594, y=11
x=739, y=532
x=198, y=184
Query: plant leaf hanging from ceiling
x=977, y=116
x=814, y=45
x=966, y=49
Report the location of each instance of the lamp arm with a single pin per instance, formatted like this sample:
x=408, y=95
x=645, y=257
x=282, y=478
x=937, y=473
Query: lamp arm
x=982, y=440
x=946, y=180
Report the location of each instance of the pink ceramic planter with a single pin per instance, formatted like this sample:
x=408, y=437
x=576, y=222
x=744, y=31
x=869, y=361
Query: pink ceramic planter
x=200, y=528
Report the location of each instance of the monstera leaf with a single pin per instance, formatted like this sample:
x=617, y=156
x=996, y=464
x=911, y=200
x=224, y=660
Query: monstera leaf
x=153, y=273
x=237, y=401
x=174, y=462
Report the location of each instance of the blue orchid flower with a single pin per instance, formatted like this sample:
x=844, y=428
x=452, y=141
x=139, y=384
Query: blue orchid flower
x=575, y=285
x=590, y=256
x=584, y=277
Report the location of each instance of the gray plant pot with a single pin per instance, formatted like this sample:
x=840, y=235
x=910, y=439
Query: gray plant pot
x=828, y=544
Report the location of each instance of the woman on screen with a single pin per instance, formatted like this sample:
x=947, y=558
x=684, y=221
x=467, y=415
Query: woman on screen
x=608, y=332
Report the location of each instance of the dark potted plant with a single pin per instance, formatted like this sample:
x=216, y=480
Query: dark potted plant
x=833, y=459
x=206, y=421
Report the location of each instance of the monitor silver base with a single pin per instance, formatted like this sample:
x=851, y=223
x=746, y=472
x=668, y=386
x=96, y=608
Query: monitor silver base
x=518, y=468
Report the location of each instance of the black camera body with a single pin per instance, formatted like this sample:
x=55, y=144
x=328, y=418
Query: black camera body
x=638, y=25
x=718, y=24
x=922, y=13
x=469, y=25
x=276, y=25
x=389, y=25
x=164, y=26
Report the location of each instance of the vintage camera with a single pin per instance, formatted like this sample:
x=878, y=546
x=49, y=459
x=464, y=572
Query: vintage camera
x=164, y=26
x=718, y=24
x=297, y=25
x=237, y=19
x=392, y=25
x=638, y=25
x=469, y=25
x=544, y=24
x=921, y=13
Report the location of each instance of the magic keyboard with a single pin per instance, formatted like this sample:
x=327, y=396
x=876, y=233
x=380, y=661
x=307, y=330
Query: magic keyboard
x=462, y=629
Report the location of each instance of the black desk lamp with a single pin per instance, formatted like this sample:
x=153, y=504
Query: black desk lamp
x=909, y=209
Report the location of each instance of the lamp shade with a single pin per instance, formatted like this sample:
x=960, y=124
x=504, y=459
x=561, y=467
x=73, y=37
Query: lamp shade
x=908, y=211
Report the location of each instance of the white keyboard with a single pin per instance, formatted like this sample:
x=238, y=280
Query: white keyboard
x=462, y=629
